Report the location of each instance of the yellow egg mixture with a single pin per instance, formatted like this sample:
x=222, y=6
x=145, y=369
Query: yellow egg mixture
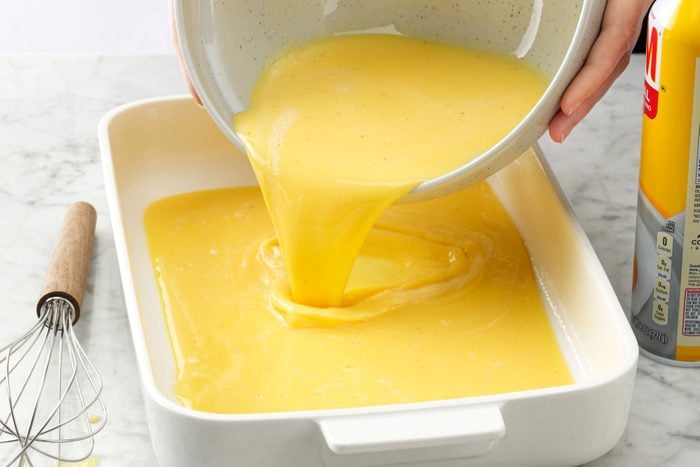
x=309, y=293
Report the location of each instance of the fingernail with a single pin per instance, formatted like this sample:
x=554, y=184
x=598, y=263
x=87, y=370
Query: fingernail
x=565, y=134
x=572, y=108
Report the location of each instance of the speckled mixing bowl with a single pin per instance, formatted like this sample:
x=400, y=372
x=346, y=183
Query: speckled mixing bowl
x=226, y=43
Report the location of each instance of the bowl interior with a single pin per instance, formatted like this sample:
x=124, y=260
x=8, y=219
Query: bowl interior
x=227, y=43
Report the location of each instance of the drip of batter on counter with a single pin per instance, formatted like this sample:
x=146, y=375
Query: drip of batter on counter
x=92, y=461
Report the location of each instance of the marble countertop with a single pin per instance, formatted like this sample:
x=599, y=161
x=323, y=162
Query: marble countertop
x=49, y=110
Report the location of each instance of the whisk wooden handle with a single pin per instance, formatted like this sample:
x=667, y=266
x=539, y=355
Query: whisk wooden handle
x=68, y=270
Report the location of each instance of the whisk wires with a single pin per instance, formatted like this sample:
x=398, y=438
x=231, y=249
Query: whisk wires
x=51, y=404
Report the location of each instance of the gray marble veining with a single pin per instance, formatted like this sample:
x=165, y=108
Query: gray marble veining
x=49, y=110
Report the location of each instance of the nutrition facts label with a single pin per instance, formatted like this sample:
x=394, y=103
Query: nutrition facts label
x=691, y=315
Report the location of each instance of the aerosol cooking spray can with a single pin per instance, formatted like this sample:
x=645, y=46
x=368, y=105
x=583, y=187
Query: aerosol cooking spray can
x=665, y=311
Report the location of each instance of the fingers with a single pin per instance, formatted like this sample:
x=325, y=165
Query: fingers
x=562, y=124
x=618, y=34
x=190, y=85
x=188, y=80
x=607, y=59
x=181, y=58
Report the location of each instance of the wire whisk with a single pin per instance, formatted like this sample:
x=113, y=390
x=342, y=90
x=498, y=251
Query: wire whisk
x=50, y=391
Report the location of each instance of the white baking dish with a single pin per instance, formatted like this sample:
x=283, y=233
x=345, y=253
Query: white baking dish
x=155, y=148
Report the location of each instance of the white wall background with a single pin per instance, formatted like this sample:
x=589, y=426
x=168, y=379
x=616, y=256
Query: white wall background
x=85, y=26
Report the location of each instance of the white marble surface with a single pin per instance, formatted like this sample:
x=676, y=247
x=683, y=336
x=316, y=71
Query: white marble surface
x=49, y=109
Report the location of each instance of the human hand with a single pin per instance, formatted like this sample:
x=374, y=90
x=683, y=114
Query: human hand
x=607, y=59
x=181, y=58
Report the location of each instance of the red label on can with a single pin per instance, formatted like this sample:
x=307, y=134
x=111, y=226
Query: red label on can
x=652, y=70
x=651, y=101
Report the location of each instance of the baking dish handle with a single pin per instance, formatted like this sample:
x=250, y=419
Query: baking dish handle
x=424, y=434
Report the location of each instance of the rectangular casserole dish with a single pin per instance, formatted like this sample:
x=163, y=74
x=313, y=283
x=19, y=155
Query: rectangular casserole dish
x=156, y=148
